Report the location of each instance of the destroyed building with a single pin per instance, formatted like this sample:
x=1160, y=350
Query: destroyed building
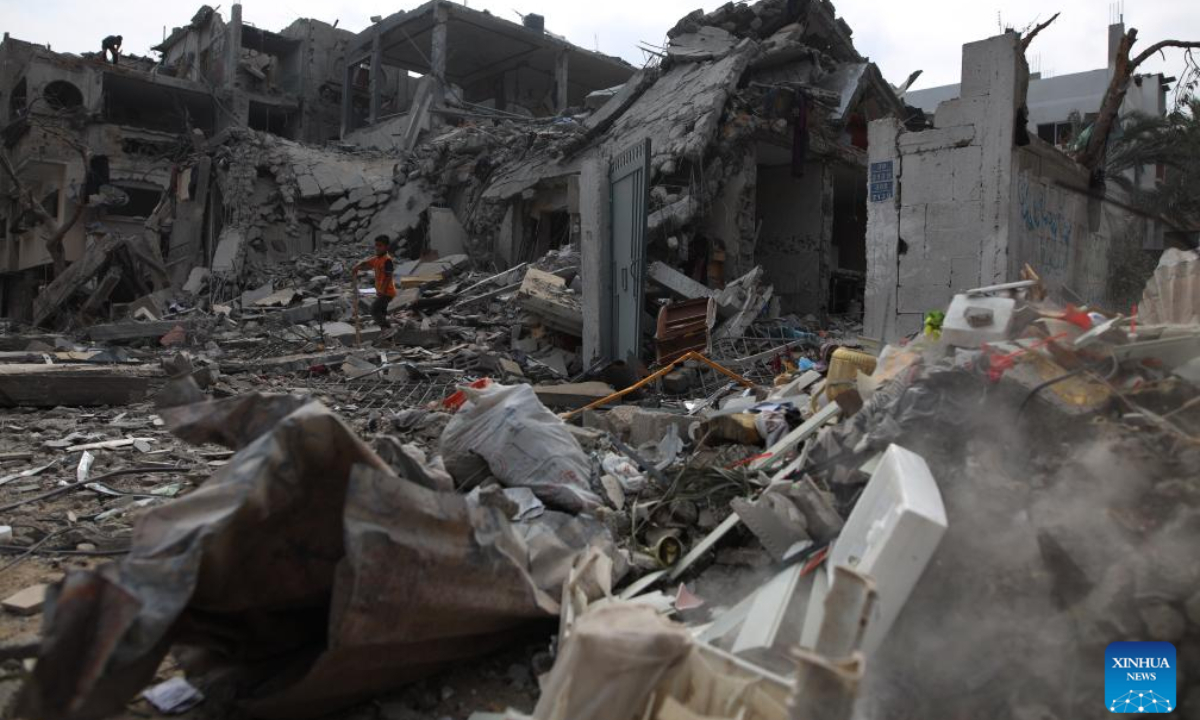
x=755, y=119
x=451, y=55
x=621, y=446
x=137, y=121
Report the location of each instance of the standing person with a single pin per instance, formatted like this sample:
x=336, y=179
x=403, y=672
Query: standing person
x=111, y=45
x=385, y=284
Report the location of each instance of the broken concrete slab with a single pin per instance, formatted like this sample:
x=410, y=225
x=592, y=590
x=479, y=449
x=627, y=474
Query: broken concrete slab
x=776, y=521
x=228, y=257
x=288, y=363
x=282, y=298
x=55, y=295
x=547, y=296
x=418, y=337
x=573, y=395
x=707, y=43
x=127, y=331
x=344, y=333
x=637, y=426
x=72, y=385
x=446, y=234
x=402, y=213
x=26, y=602
x=677, y=282
x=196, y=280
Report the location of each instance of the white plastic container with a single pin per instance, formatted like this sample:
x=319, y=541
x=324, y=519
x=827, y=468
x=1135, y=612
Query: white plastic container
x=890, y=535
x=957, y=331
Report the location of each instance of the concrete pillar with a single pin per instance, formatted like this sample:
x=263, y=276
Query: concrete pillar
x=561, y=87
x=437, y=59
x=1116, y=32
x=347, y=98
x=883, y=233
x=595, y=260
x=376, y=76
x=233, y=46
x=1005, y=75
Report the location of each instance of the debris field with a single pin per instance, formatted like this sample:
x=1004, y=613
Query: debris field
x=387, y=425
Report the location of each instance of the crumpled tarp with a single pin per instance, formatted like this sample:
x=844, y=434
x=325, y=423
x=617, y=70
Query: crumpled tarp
x=305, y=559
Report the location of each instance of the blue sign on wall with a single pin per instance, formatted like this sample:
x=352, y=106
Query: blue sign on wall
x=882, y=183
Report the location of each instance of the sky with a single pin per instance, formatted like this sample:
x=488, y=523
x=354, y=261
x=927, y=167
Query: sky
x=899, y=36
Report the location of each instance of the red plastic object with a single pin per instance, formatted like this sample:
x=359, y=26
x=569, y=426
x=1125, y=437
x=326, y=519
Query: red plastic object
x=456, y=399
x=1075, y=316
x=747, y=461
x=815, y=561
x=1000, y=363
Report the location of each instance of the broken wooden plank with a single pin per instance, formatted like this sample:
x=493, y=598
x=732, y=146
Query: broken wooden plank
x=71, y=385
x=109, y=444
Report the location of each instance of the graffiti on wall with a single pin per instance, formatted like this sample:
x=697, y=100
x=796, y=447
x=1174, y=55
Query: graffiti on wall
x=1049, y=229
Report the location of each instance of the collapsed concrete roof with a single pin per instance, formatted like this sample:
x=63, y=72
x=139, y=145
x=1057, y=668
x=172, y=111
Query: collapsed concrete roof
x=682, y=103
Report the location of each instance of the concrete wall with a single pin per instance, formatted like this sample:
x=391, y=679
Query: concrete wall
x=796, y=216
x=200, y=55
x=1087, y=249
x=319, y=63
x=731, y=217
x=969, y=208
x=595, y=263
x=39, y=67
x=944, y=225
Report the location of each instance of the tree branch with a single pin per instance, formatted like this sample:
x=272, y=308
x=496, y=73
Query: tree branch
x=1157, y=47
x=1093, y=156
x=1033, y=33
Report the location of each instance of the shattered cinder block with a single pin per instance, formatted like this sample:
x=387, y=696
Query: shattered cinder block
x=546, y=295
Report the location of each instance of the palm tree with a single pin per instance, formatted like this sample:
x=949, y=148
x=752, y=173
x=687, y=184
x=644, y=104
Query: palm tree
x=1171, y=142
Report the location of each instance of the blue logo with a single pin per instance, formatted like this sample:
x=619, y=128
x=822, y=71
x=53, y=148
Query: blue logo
x=1139, y=677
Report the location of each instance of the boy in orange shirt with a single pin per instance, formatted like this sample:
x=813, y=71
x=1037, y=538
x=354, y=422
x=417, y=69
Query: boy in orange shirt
x=385, y=284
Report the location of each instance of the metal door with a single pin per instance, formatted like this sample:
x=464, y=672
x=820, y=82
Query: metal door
x=629, y=176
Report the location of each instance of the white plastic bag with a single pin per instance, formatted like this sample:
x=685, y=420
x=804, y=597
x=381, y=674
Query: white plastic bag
x=523, y=444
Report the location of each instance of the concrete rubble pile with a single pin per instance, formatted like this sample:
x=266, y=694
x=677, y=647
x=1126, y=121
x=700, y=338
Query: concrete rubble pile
x=799, y=536
x=226, y=490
